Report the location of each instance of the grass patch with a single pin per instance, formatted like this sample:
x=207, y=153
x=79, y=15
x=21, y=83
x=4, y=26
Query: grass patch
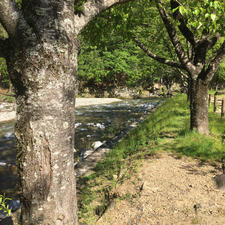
x=165, y=129
x=7, y=98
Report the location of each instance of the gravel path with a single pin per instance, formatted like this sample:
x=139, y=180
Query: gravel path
x=7, y=110
x=169, y=190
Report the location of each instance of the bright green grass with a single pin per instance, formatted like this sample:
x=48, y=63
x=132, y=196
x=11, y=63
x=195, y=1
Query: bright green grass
x=166, y=129
x=188, y=142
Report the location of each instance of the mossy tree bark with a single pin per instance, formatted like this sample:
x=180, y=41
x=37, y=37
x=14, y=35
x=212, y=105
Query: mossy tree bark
x=41, y=54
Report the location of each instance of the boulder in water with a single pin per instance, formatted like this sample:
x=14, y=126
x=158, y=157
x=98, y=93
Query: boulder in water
x=97, y=144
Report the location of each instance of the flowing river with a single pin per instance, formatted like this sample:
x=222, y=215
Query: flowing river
x=94, y=124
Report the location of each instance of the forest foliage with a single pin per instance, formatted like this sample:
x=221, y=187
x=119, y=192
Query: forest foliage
x=109, y=57
x=115, y=30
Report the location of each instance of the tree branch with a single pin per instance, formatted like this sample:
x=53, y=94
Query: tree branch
x=174, y=37
x=183, y=74
x=183, y=24
x=92, y=8
x=158, y=58
x=9, y=16
x=214, y=64
x=213, y=40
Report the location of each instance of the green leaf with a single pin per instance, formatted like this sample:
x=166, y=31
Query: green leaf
x=207, y=15
x=182, y=10
x=3, y=205
x=196, y=11
x=213, y=17
x=175, y=9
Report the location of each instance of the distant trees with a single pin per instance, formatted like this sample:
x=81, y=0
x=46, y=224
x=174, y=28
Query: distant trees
x=120, y=61
x=113, y=66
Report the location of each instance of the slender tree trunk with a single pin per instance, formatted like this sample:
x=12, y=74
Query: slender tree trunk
x=45, y=132
x=199, y=106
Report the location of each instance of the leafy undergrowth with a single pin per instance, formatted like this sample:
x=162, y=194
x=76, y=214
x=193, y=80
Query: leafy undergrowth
x=165, y=129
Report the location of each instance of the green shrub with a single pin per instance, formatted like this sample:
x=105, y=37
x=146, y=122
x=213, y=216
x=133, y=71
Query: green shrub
x=4, y=207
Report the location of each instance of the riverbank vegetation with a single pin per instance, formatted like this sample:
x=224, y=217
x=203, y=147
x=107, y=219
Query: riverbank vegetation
x=166, y=129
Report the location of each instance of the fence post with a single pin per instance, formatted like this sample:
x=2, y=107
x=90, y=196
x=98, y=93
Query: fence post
x=223, y=109
x=210, y=99
x=215, y=105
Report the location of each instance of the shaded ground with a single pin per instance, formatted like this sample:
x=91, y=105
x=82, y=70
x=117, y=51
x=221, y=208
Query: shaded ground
x=169, y=190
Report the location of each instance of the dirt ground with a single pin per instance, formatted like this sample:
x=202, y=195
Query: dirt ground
x=169, y=190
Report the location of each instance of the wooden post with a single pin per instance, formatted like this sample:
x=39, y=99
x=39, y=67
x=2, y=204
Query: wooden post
x=215, y=105
x=210, y=99
x=223, y=109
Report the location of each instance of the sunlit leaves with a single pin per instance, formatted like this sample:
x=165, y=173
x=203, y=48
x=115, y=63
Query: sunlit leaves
x=183, y=11
x=141, y=19
x=204, y=15
x=122, y=64
x=112, y=32
x=213, y=17
x=4, y=207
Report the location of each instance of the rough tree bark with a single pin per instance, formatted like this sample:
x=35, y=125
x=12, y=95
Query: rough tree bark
x=44, y=131
x=199, y=70
x=199, y=106
x=41, y=54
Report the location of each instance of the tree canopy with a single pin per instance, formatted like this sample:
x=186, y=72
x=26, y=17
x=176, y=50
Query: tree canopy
x=196, y=33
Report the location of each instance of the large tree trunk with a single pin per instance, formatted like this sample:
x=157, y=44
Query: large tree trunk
x=199, y=106
x=44, y=132
x=41, y=52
